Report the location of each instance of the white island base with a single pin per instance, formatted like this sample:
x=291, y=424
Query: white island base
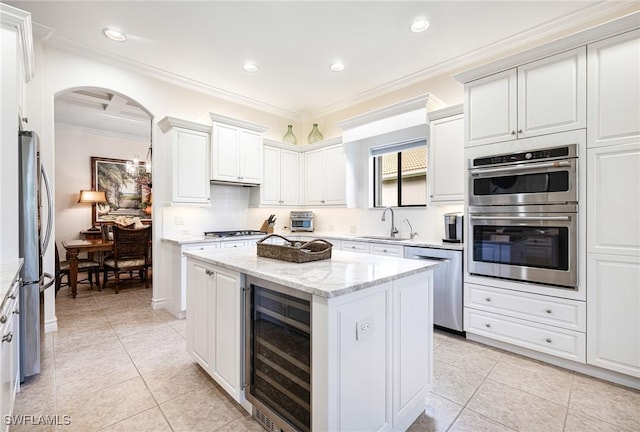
x=371, y=332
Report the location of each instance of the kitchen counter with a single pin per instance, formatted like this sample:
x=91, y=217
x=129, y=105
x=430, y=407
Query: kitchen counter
x=324, y=235
x=9, y=271
x=344, y=273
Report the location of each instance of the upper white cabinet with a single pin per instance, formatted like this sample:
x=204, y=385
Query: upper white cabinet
x=325, y=176
x=537, y=98
x=614, y=86
x=190, y=144
x=280, y=186
x=446, y=172
x=236, y=151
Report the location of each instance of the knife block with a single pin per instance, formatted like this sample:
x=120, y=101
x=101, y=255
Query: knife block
x=266, y=227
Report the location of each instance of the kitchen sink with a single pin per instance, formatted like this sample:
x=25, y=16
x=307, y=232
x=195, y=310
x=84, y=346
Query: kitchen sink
x=384, y=238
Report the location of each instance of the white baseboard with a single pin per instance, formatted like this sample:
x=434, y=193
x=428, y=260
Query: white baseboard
x=51, y=325
x=157, y=303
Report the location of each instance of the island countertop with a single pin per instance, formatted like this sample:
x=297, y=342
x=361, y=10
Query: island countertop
x=344, y=273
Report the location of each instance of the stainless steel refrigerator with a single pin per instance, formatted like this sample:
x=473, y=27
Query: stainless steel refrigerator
x=32, y=246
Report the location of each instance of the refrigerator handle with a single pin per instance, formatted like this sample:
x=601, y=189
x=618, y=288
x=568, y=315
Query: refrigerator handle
x=51, y=281
x=47, y=235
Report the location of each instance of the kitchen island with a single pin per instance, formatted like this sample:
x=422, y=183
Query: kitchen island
x=370, y=322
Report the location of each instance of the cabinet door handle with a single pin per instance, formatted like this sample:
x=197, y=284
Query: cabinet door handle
x=519, y=131
x=17, y=311
x=487, y=325
x=513, y=132
x=488, y=299
x=3, y=319
x=548, y=311
x=7, y=337
x=548, y=340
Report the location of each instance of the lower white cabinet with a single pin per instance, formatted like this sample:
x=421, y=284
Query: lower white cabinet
x=613, y=312
x=214, y=323
x=355, y=246
x=386, y=249
x=9, y=351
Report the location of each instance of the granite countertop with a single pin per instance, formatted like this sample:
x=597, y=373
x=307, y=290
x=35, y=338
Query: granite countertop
x=344, y=273
x=9, y=271
x=325, y=235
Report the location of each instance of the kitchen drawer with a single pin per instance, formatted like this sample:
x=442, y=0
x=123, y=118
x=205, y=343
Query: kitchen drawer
x=569, y=314
x=386, y=249
x=236, y=243
x=201, y=247
x=354, y=246
x=555, y=341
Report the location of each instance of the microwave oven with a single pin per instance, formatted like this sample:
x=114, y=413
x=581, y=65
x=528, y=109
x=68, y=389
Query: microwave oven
x=301, y=221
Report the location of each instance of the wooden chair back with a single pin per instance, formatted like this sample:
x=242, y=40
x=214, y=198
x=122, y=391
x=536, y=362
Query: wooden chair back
x=131, y=243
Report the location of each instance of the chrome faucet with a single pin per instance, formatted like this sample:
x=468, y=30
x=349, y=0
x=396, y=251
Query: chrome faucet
x=394, y=230
x=412, y=234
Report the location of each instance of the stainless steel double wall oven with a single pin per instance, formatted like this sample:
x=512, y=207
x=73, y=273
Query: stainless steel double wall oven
x=523, y=210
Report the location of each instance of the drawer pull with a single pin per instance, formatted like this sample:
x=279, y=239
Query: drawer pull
x=17, y=311
x=548, y=311
x=3, y=319
x=488, y=299
x=384, y=250
x=487, y=325
x=548, y=340
x=7, y=338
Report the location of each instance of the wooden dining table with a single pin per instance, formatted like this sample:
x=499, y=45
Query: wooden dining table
x=75, y=247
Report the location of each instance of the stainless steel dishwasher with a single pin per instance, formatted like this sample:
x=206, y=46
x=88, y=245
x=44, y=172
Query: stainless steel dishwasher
x=447, y=284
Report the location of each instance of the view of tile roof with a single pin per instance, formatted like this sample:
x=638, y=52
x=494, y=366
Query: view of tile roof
x=412, y=160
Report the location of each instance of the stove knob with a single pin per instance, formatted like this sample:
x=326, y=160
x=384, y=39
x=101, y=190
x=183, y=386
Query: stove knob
x=528, y=156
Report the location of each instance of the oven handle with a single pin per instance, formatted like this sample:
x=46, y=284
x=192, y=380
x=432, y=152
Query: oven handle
x=523, y=218
x=520, y=167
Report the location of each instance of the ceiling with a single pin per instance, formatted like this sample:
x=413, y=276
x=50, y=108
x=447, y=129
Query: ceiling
x=205, y=43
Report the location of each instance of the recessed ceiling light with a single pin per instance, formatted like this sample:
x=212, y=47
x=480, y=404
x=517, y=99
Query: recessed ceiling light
x=115, y=35
x=337, y=66
x=250, y=67
x=419, y=25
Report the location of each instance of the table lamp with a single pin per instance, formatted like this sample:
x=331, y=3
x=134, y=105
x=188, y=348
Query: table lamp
x=93, y=197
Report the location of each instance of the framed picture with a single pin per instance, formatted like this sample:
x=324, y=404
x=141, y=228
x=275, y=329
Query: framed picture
x=127, y=187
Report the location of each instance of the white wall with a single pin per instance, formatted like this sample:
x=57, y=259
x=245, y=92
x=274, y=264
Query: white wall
x=74, y=149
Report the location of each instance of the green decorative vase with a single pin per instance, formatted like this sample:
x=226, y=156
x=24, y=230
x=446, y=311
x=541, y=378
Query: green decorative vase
x=314, y=135
x=289, y=137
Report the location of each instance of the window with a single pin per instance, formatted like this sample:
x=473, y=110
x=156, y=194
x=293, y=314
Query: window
x=400, y=175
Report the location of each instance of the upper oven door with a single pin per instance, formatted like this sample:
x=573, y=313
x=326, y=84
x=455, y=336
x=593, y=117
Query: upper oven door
x=549, y=182
x=531, y=247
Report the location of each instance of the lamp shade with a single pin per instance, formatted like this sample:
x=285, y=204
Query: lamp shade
x=90, y=196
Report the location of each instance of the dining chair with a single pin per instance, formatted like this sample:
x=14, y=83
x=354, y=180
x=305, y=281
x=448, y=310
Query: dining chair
x=62, y=269
x=130, y=252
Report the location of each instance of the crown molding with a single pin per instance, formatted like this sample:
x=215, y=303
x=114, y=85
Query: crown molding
x=219, y=118
x=304, y=147
x=167, y=123
x=445, y=112
x=63, y=44
x=521, y=40
x=574, y=40
x=20, y=20
x=62, y=125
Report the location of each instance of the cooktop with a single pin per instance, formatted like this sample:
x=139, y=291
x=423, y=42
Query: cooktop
x=235, y=233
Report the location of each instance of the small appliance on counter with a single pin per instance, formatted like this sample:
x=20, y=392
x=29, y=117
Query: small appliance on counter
x=301, y=221
x=452, y=228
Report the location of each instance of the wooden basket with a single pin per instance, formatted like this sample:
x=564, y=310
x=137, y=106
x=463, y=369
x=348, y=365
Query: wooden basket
x=294, y=251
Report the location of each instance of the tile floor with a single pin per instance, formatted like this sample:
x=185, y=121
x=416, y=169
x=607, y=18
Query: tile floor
x=116, y=365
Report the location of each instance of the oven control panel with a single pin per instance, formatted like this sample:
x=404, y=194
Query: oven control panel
x=543, y=154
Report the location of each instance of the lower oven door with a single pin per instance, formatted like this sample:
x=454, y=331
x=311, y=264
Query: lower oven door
x=529, y=247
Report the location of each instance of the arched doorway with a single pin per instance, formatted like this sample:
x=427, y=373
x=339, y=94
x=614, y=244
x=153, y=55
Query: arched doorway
x=95, y=130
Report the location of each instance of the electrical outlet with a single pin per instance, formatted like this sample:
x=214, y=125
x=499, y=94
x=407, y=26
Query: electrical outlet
x=364, y=327
x=185, y=231
x=178, y=220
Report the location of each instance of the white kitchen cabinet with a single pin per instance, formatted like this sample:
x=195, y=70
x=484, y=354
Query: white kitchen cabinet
x=613, y=299
x=536, y=98
x=280, y=186
x=226, y=244
x=386, y=249
x=236, y=151
x=613, y=204
x=9, y=350
x=355, y=246
x=190, y=145
x=613, y=87
x=214, y=324
x=446, y=171
x=325, y=176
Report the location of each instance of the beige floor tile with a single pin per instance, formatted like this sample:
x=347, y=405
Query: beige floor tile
x=36, y=394
x=46, y=419
x=65, y=341
x=438, y=415
x=608, y=402
x=453, y=383
x=151, y=420
x=202, y=410
x=169, y=382
x=92, y=411
x=180, y=326
x=516, y=409
x=159, y=334
x=470, y=421
x=245, y=424
x=534, y=377
x=148, y=359
x=438, y=338
x=583, y=423
x=470, y=356
x=165, y=316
